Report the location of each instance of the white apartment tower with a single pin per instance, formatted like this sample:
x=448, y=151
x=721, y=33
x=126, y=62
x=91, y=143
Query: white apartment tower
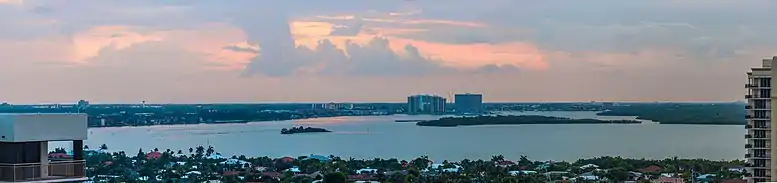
x=759, y=122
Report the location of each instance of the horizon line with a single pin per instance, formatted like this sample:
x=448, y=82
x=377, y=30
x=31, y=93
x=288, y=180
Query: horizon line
x=379, y=102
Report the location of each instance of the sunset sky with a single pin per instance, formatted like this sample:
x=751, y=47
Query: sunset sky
x=203, y=51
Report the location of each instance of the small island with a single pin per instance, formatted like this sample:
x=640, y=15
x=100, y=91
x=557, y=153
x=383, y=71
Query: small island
x=516, y=120
x=300, y=129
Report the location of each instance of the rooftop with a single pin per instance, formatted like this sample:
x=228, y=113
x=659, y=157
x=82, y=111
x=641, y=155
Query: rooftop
x=32, y=127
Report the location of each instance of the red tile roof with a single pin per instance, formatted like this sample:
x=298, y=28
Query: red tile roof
x=272, y=174
x=651, y=169
x=670, y=180
x=287, y=159
x=153, y=155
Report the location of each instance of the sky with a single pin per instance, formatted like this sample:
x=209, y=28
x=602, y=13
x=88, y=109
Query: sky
x=245, y=51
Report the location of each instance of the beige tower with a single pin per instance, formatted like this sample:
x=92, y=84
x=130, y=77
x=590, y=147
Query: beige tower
x=759, y=122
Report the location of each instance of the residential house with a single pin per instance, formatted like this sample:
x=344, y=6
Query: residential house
x=669, y=180
x=522, y=172
x=367, y=170
x=153, y=155
x=652, y=169
x=735, y=168
x=287, y=159
x=589, y=166
x=589, y=176
x=504, y=163
x=706, y=178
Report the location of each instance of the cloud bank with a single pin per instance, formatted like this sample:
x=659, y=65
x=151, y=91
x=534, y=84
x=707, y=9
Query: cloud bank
x=352, y=50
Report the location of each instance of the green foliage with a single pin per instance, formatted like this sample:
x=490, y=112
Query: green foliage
x=389, y=170
x=683, y=113
x=335, y=177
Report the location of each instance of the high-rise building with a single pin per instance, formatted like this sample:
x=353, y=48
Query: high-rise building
x=759, y=122
x=469, y=103
x=426, y=104
x=25, y=147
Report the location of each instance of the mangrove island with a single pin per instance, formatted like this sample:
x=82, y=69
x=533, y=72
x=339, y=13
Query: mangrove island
x=300, y=129
x=516, y=120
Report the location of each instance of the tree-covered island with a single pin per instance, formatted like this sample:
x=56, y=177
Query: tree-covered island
x=516, y=120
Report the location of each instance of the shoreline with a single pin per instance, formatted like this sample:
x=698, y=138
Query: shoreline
x=516, y=120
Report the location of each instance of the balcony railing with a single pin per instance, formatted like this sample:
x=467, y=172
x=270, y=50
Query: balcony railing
x=748, y=145
x=747, y=136
x=39, y=172
x=748, y=107
x=748, y=96
x=748, y=126
x=750, y=86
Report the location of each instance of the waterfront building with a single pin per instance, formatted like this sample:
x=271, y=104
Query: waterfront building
x=426, y=104
x=469, y=103
x=337, y=106
x=759, y=122
x=24, y=151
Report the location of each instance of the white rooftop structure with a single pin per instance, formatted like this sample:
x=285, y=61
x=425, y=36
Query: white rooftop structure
x=35, y=127
x=24, y=140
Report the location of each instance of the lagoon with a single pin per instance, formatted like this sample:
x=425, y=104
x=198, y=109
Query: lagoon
x=379, y=136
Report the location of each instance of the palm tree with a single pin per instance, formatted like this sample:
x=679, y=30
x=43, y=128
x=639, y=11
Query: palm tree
x=210, y=151
x=103, y=147
x=200, y=150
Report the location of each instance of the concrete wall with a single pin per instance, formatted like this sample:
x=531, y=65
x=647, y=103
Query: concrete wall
x=42, y=127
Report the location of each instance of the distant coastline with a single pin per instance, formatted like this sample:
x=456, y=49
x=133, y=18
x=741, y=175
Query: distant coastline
x=516, y=120
x=681, y=113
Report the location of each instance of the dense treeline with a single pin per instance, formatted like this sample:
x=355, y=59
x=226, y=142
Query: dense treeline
x=511, y=120
x=683, y=113
x=195, y=165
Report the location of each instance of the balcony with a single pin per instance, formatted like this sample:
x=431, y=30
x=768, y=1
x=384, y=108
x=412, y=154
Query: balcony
x=748, y=107
x=748, y=96
x=750, y=86
x=748, y=145
x=747, y=136
x=55, y=171
x=760, y=136
x=748, y=117
x=748, y=155
x=748, y=126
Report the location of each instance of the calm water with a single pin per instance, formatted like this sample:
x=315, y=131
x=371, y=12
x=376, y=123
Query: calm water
x=380, y=136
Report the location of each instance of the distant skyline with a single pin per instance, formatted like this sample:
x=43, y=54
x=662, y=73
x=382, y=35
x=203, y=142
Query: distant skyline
x=250, y=51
